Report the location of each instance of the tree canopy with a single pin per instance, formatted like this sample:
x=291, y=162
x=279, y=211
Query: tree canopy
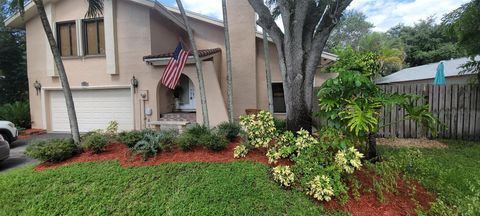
x=426, y=42
x=13, y=71
x=353, y=25
x=464, y=24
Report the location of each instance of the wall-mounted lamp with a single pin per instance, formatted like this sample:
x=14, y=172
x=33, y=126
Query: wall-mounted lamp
x=134, y=83
x=37, y=86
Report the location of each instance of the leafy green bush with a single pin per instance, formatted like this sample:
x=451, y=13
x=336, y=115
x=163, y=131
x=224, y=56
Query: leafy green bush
x=130, y=138
x=187, y=141
x=230, y=130
x=213, y=141
x=280, y=125
x=167, y=139
x=148, y=146
x=54, y=150
x=240, y=151
x=190, y=138
x=283, y=175
x=95, y=142
x=18, y=113
x=260, y=128
x=153, y=142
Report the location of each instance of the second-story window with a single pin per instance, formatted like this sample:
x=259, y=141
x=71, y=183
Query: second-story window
x=67, y=38
x=94, y=37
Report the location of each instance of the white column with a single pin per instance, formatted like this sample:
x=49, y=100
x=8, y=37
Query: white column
x=49, y=62
x=79, y=30
x=109, y=12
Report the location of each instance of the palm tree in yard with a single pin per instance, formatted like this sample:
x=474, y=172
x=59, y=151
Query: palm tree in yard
x=198, y=64
x=268, y=72
x=229, y=62
x=19, y=6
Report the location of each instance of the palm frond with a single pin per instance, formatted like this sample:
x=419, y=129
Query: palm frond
x=95, y=8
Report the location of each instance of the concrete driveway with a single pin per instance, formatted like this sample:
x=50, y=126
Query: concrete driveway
x=17, y=149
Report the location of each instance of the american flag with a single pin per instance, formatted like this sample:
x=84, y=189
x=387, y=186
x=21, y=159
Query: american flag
x=175, y=66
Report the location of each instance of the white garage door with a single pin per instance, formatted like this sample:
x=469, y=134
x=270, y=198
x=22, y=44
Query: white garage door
x=94, y=108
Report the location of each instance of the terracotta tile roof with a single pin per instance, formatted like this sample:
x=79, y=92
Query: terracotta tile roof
x=201, y=53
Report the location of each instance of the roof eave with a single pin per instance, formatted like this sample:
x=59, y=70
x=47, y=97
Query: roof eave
x=164, y=60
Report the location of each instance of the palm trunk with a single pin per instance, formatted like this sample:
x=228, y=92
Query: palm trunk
x=229, y=63
x=268, y=71
x=198, y=64
x=72, y=116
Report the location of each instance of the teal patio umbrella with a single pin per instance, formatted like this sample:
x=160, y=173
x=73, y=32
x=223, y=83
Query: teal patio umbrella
x=440, y=75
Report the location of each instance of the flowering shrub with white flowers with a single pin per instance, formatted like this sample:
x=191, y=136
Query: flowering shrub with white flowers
x=283, y=175
x=320, y=188
x=260, y=128
x=349, y=160
x=240, y=151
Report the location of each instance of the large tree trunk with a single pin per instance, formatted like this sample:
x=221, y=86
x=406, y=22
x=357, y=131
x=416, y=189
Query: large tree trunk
x=268, y=71
x=299, y=106
x=198, y=64
x=307, y=25
x=229, y=63
x=72, y=116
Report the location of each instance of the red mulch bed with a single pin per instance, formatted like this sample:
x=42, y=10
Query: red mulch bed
x=402, y=203
x=32, y=131
x=368, y=203
x=122, y=154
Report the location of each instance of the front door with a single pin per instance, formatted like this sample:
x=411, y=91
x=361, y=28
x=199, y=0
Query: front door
x=187, y=94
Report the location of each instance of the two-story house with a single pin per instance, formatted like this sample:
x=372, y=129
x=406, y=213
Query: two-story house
x=133, y=41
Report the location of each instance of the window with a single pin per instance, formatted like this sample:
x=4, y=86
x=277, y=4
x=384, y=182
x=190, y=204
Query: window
x=94, y=36
x=67, y=38
x=278, y=98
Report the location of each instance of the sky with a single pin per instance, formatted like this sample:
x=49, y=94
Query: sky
x=384, y=14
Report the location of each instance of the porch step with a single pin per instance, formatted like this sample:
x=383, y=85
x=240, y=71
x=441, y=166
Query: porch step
x=179, y=116
x=169, y=125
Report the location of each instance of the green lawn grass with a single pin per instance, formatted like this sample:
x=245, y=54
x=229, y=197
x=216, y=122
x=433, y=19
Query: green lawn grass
x=106, y=188
x=453, y=173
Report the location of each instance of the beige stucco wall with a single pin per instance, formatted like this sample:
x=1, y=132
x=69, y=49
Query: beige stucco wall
x=141, y=31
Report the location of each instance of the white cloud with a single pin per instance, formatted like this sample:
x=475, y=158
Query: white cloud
x=385, y=14
x=211, y=8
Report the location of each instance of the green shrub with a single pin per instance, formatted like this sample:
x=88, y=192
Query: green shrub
x=153, y=142
x=167, y=139
x=190, y=138
x=54, y=150
x=213, y=141
x=95, y=142
x=18, y=113
x=260, y=128
x=149, y=145
x=130, y=138
x=187, y=141
x=197, y=130
x=230, y=130
x=280, y=125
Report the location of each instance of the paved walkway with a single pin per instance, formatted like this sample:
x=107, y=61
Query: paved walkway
x=17, y=149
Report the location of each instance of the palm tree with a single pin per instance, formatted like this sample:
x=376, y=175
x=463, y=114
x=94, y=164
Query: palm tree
x=72, y=116
x=268, y=71
x=229, y=63
x=198, y=64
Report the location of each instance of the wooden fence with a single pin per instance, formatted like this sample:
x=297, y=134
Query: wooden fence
x=456, y=106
